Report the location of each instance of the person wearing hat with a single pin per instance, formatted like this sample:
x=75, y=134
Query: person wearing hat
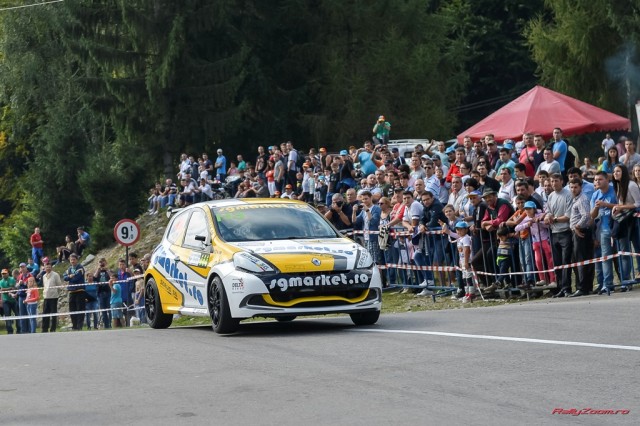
x=347, y=172
x=381, y=131
x=9, y=301
x=462, y=240
x=288, y=192
x=221, y=166
x=398, y=160
x=538, y=232
x=498, y=211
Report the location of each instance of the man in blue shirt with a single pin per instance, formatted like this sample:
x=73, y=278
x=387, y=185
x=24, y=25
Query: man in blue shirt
x=602, y=201
x=221, y=166
x=559, y=149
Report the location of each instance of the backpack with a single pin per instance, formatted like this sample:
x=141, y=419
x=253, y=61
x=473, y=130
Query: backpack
x=299, y=161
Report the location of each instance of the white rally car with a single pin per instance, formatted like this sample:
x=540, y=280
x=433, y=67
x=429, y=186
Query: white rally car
x=243, y=258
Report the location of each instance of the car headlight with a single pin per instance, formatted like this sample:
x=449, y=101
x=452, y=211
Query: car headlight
x=247, y=262
x=365, y=260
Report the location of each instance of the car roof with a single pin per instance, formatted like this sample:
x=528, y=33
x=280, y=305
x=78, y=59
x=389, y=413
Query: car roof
x=233, y=202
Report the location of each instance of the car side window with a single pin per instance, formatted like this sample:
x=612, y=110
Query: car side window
x=198, y=226
x=176, y=228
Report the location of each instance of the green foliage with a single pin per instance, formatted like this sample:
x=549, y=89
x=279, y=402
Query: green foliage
x=572, y=48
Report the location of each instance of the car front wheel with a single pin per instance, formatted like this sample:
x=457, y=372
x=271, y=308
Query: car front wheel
x=153, y=306
x=221, y=320
x=365, y=318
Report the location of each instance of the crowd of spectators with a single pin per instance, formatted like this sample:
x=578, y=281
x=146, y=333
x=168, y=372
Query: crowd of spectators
x=528, y=205
x=116, y=295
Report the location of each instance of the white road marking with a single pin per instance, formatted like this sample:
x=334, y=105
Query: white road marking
x=508, y=339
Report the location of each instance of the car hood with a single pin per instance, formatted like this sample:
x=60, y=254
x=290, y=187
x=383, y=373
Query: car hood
x=289, y=256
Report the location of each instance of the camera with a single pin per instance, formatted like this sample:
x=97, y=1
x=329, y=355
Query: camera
x=360, y=207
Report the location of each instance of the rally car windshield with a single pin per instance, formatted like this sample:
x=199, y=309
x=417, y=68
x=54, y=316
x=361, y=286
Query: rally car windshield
x=260, y=222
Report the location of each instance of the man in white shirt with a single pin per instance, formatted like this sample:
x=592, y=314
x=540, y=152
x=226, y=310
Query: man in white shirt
x=457, y=194
x=550, y=165
x=607, y=143
x=507, y=185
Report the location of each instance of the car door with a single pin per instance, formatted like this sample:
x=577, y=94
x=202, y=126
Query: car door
x=194, y=254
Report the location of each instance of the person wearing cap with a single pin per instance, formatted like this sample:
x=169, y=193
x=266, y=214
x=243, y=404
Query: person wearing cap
x=381, y=131
x=557, y=217
x=462, y=240
x=9, y=301
x=524, y=241
x=320, y=190
x=538, y=231
x=581, y=224
x=454, y=169
x=288, y=192
x=347, y=172
x=492, y=152
x=74, y=276
x=221, y=166
x=261, y=188
x=398, y=160
x=498, y=211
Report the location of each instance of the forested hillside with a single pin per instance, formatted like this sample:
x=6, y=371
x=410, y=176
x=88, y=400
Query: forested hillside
x=100, y=97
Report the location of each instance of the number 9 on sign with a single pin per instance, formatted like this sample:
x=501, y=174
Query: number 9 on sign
x=126, y=232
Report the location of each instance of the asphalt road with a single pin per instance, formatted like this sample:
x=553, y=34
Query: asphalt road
x=466, y=366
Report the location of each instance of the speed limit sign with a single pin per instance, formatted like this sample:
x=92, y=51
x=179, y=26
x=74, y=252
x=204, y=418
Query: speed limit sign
x=127, y=232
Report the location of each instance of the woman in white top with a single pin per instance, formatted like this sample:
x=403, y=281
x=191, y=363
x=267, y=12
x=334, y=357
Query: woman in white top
x=628, y=195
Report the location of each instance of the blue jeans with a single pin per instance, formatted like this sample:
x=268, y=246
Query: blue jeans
x=32, y=310
x=9, y=307
x=624, y=244
x=526, y=258
x=22, y=310
x=104, y=299
x=36, y=255
x=423, y=260
x=607, y=265
x=91, y=306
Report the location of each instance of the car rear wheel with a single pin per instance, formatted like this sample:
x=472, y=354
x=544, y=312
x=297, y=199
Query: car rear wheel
x=286, y=318
x=365, y=318
x=153, y=306
x=221, y=320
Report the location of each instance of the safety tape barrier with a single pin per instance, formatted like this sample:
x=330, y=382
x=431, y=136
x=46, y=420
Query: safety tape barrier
x=132, y=308
x=68, y=286
x=393, y=233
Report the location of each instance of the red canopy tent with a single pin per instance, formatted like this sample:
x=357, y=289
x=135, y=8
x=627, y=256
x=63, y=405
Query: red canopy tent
x=539, y=111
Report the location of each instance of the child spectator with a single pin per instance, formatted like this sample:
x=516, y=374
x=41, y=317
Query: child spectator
x=139, y=301
x=540, y=237
x=116, y=303
x=92, y=304
x=33, y=296
x=462, y=239
x=504, y=257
